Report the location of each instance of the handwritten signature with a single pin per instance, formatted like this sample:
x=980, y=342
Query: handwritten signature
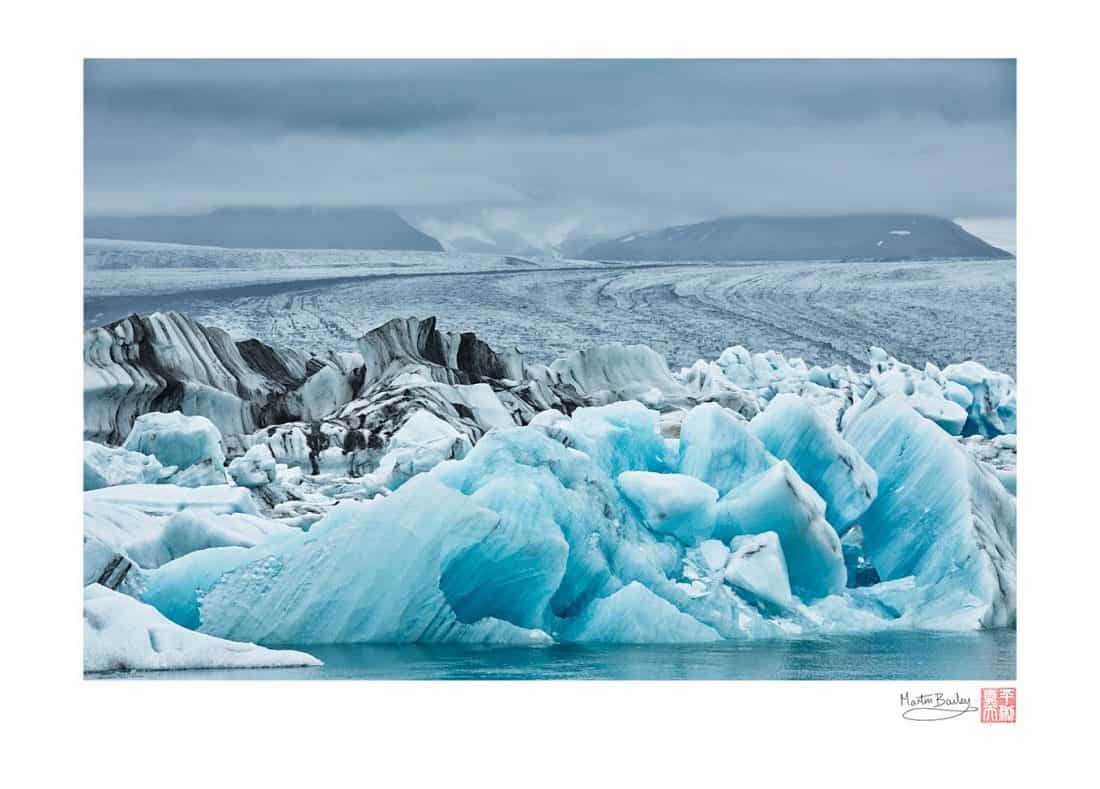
x=935, y=706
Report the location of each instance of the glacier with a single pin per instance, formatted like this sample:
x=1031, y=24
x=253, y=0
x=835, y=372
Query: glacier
x=427, y=488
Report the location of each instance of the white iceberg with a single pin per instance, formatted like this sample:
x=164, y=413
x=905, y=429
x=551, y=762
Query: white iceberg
x=607, y=373
x=117, y=537
x=167, y=499
x=122, y=634
x=254, y=469
x=190, y=443
x=422, y=443
x=992, y=409
x=106, y=466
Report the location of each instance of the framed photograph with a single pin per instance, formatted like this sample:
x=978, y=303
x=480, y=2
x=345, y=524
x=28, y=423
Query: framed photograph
x=386, y=379
x=574, y=394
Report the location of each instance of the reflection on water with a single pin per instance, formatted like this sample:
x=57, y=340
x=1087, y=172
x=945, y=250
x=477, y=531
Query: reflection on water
x=889, y=656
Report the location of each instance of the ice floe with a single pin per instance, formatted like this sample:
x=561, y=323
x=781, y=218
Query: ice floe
x=123, y=634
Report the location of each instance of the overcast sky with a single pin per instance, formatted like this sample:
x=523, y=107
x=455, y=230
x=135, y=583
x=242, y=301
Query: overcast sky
x=546, y=148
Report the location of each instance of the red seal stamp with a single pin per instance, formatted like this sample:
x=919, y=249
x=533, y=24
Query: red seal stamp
x=998, y=705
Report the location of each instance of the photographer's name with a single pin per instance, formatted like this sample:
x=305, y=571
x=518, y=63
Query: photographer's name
x=936, y=706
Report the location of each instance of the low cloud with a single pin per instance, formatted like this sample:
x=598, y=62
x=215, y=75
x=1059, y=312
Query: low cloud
x=542, y=148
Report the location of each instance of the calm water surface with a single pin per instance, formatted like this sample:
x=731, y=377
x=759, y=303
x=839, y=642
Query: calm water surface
x=987, y=655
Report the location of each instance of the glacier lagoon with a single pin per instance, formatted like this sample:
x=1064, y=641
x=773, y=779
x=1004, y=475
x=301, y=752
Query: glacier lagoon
x=494, y=515
x=985, y=655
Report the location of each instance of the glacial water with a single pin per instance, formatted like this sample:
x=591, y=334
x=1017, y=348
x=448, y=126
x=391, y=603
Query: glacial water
x=989, y=655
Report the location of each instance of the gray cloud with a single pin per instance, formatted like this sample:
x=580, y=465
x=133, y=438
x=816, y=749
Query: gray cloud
x=538, y=146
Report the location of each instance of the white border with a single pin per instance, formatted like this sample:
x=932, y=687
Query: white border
x=318, y=734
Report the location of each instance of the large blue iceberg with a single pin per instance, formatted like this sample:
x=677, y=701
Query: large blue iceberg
x=595, y=527
x=940, y=518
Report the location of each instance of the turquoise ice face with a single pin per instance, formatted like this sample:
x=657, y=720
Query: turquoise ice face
x=595, y=528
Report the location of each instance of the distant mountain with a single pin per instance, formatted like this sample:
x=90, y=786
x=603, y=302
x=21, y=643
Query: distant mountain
x=270, y=228
x=869, y=237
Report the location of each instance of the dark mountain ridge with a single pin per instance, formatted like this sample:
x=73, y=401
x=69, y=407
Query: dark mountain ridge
x=270, y=228
x=864, y=236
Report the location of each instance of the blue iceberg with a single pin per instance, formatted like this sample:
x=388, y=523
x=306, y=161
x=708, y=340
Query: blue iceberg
x=779, y=501
x=940, y=517
x=594, y=528
x=793, y=430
